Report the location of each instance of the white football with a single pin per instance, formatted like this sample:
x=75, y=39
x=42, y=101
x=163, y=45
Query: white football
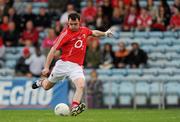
x=62, y=109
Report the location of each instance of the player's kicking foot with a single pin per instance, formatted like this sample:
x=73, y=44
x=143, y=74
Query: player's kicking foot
x=78, y=109
x=37, y=84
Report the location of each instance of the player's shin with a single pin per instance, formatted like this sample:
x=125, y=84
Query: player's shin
x=80, y=84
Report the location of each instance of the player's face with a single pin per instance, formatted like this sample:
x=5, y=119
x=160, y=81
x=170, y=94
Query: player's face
x=74, y=24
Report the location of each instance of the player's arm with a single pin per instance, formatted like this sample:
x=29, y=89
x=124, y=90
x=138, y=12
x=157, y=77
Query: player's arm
x=48, y=61
x=98, y=33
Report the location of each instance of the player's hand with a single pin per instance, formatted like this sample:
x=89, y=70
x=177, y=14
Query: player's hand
x=45, y=72
x=109, y=33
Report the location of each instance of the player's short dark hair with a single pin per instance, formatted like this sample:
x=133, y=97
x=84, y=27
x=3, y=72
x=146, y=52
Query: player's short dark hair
x=74, y=16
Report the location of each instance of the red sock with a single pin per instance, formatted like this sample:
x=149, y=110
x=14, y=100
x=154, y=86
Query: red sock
x=74, y=104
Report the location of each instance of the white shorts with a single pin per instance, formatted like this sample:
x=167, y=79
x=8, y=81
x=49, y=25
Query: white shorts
x=63, y=69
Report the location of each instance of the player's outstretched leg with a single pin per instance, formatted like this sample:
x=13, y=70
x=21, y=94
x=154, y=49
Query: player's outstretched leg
x=42, y=82
x=37, y=83
x=78, y=107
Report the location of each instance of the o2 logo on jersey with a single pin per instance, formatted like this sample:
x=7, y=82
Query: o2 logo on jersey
x=78, y=44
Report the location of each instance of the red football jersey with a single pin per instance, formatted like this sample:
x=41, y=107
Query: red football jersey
x=73, y=44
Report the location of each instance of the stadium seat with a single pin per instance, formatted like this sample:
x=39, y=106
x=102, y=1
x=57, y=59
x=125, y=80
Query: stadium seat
x=166, y=71
x=172, y=93
x=151, y=72
x=168, y=34
x=120, y=72
x=110, y=87
x=6, y=73
x=157, y=56
x=154, y=93
x=126, y=40
x=125, y=100
x=176, y=41
x=141, y=34
x=174, y=63
x=134, y=72
x=155, y=34
x=176, y=71
x=157, y=64
x=150, y=41
x=166, y=41
x=126, y=90
x=104, y=71
x=175, y=48
x=126, y=34
x=39, y=4
x=141, y=93
x=103, y=78
x=126, y=87
x=109, y=100
x=105, y=40
x=10, y=56
x=10, y=64
x=173, y=56
x=142, y=87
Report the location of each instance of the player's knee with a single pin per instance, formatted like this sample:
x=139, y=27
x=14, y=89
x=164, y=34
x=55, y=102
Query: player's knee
x=46, y=88
x=47, y=85
x=81, y=85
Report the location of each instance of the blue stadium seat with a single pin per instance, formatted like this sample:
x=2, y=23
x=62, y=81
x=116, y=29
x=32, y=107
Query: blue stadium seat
x=157, y=56
x=110, y=87
x=105, y=40
x=166, y=71
x=176, y=41
x=151, y=71
x=126, y=90
x=10, y=56
x=141, y=34
x=104, y=71
x=142, y=88
x=142, y=93
x=176, y=71
x=10, y=64
x=154, y=92
x=150, y=41
x=157, y=64
x=103, y=78
x=116, y=35
x=173, y=56
x=174, y=63
x=128, y=41
x=126, y=34
x=170, y=34
x=109, y=100
x=172, y=93
x=134, y=72
x=39, y=4
x=166, y=41
x=6, y=73
x=159, y=48
x=120, y=72
x=172, y=87
x=148, y=49
x=157, y=34
x=126, y=87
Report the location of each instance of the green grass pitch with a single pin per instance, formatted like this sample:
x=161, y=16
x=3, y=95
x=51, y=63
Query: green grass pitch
x=93, y=115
